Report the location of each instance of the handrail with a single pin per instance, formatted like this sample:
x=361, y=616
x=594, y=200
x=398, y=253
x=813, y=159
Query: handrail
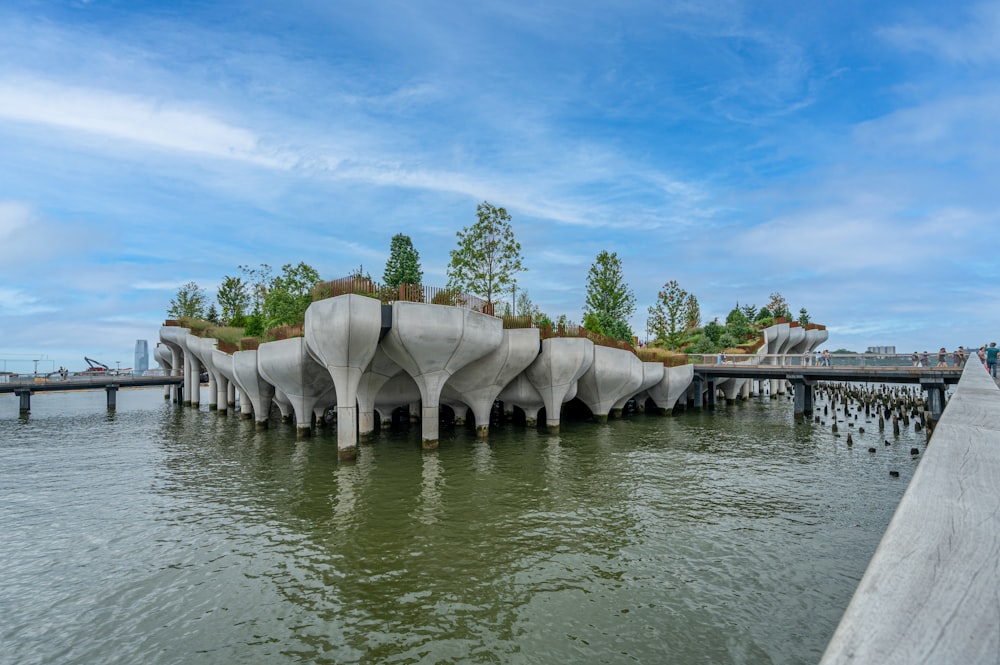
x=929, y=594
x=815, y=360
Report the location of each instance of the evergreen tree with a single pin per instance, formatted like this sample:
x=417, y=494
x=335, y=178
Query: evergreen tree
x=234, y=300
x=403, y=266
x=609, y=298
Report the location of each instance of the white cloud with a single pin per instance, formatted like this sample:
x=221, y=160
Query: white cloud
x=974, y=42
x=150, y=122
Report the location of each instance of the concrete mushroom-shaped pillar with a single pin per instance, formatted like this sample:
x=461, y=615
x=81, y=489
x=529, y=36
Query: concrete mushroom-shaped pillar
x=202, y=348
x=400, y=390
x=164, y=357
x=561, y=363
x=433, y=342
x=522, y=394
x=780, y=344
x=379, y=371
x=287, y=365
x=614, y=374
x=679, y=379
x=478, y=384
x=253, y=386
x=193, y=369
x=342, y=334
x=282, y=401
x=176, y=339
x=224, y=366
x=652, y=375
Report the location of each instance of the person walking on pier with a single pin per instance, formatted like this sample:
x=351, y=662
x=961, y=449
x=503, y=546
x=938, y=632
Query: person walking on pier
x=991, y=359
x=915, y=359
x=960, y=357
x=925, y=360
x=942, y=358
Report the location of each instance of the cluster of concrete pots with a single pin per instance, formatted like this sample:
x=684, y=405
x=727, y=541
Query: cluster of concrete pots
x=789, y=339
x=368, y=360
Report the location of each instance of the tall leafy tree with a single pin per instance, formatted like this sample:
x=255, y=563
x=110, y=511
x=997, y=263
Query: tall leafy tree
x=234, y=300
x=668, y=317
x=257, y=280
x=488, y=257
x=803, y=316
x=609, y=298
x=403, y=266
x=692, y=313
x=189, y=301
x=779, y=307
x=288, y=295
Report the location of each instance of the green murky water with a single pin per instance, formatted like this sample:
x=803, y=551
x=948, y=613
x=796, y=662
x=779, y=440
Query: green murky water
x=167, y=535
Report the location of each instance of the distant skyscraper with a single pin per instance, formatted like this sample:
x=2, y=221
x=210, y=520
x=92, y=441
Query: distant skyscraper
x=141, y=363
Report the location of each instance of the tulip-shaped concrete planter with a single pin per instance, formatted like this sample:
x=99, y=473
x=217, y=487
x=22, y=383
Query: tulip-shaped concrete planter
x=253, y=387
x=478, y=384
x=176, y=339
x=561, y=363
x=398, y=391
x=342, y=335
x=203, y=348
x=166, y=357
x=519, y=392
x=431, y=343
x=614, y=374
x=224, y=366
x=288, y=365
x=380, y=370
x=652, y=374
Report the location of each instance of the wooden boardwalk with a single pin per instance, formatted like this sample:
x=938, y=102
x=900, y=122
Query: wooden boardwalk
x=931, y=593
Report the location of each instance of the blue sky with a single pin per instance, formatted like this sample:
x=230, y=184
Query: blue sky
x=845, y=154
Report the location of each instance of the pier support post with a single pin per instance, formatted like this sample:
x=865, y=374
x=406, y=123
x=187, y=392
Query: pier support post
x=935, y=398
x=112, y=391
x=803, y=396
x=699, y=383
x=25, y=401
x=710, y=395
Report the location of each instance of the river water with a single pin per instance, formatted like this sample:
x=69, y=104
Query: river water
x=162, y=534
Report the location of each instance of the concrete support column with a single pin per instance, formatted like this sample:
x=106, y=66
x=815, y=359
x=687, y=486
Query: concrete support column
x=246, y=406
x=935, y=398
x=799, y=390
x=25, y=400
x=175, y=370
x=222, y=386
x=348, y=430
x=808, y=400
x=192, y=379
x=112, y=391
x=231, y=394
x=710, y=393
x=213, y=391
x=429, y=427
x=699, y=382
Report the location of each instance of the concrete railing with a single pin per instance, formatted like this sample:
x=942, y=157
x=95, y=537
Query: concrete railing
x=931, y=593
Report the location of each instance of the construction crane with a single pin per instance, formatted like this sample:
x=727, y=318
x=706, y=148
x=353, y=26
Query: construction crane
x=96, y=366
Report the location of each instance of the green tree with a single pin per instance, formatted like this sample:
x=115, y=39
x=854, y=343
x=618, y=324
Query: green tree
x=779, y=307
x=189, y=301
x=609, y=298
x=488, y=257
x=669, y=316
x=803, y=316
x=738, y=326
x=288, y=295
x=749, y=311
x=212, y=315
x=257, y=280
x=403, y=266
x=525, y=307
x=764, y=313
x=692, y=313
x=234, y=300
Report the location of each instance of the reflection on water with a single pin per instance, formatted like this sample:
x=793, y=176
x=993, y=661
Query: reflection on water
x=167, y=535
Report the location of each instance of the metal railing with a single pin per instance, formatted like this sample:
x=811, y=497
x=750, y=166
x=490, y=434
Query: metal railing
x=819, y=360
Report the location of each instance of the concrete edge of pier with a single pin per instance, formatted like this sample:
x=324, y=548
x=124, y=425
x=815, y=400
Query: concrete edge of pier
x=931, y=592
